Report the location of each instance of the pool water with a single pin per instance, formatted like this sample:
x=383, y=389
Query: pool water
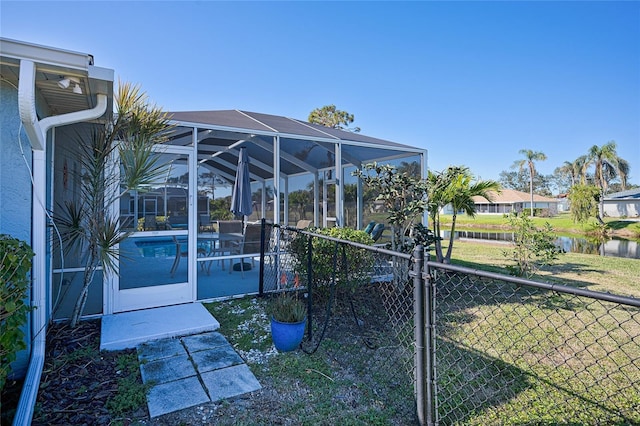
x=151, y=247
x=162, y=247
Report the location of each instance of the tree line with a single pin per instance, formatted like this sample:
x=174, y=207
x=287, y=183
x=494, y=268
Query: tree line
x=586, y=180
x=583, y=170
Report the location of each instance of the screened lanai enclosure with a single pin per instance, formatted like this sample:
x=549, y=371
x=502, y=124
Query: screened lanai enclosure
x=187, y=245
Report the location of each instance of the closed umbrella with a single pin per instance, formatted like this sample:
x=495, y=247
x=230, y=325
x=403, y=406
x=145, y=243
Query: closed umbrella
x=241, y=197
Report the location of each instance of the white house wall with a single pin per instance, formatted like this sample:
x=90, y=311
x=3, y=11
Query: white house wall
x=622, y=208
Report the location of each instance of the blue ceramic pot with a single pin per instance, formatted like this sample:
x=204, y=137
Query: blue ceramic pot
x=287, y=335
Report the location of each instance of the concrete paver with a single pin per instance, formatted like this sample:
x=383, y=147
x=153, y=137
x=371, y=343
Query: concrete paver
x=177, y=395
x=158, y=349
x=179, y=367
x=230, y=381
x=216, y=358
x=205, y=341
x=167, y=369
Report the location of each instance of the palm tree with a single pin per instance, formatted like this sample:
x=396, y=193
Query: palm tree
x=567, y=169
x=127, y=142
x=580, y=166
x=623, y=172
x=608, y=166
x=454, y=186
x=530, y=158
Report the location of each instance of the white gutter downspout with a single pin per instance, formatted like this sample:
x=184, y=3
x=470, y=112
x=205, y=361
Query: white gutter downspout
x=37, y=132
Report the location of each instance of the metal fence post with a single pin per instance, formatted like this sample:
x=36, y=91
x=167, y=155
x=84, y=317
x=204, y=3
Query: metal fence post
x=429, y=347
x=419, y=334
x=309, y=287
x=263, y=223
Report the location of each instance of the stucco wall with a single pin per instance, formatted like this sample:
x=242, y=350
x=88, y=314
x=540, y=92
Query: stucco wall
x=622, y=208
x=15, y=183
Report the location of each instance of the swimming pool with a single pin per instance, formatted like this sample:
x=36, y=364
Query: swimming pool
x=156, y=247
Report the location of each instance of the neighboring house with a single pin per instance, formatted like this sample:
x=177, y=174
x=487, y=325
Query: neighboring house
x=622, y=204
x=563, y=203
x=50, y=98
x=510, y=200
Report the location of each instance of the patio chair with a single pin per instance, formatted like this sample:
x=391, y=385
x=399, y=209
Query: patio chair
x=303, y=223
x=226, y=246
x=230, y=226
x=180, y=253
x=150, y=222
x=178, y=222
x=204, y=223
x=369, y=227
x=376, y=232
x=250, y=244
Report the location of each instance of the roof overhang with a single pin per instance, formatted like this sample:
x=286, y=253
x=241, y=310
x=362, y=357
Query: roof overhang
x=50, y=67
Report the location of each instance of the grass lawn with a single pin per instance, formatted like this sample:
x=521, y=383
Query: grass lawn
x=513, y=355
x=505, y=354
x=598, y=273
x=561, y=223
x=344, y=381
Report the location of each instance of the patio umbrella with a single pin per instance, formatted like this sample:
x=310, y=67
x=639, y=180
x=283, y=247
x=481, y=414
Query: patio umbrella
x=241, y=197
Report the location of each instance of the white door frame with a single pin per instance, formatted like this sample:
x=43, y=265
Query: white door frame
x=165, y=294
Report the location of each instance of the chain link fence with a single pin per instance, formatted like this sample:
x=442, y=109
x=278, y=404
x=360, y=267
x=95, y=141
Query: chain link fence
x=449, y=345
x=360, y=309
x=512, y=351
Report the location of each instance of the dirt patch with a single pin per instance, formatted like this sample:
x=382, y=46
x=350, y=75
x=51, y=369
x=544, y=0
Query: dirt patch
x=79, y=382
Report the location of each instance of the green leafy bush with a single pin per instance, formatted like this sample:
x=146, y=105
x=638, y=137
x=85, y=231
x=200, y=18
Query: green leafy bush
x=15, y=263
x=533, y=247
x=325, y=260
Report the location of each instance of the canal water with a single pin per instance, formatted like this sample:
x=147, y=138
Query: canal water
x=613, y=247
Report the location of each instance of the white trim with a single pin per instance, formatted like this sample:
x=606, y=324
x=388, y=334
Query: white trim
x=170, y=293
x=45, y=54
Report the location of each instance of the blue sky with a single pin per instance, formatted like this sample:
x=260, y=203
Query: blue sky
x=473, y=82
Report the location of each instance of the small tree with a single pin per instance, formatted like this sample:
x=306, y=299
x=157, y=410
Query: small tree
x=127, y=143
x=584, y=203
x=455, y=187
x=300, y=199
x=533, y=247
x=403, y=195
x=330, y=116
x=608, y=166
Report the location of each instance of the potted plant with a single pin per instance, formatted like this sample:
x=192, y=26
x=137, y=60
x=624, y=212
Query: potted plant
x=288, y=319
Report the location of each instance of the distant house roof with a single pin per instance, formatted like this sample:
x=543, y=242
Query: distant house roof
x=624, y=195
x=510, y=196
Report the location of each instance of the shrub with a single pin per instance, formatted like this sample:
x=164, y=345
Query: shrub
x=533, y=247
x=352, y=267
x=15, y=263
x=596, y=230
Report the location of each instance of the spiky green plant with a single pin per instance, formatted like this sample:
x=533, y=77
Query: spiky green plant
x=126, y=143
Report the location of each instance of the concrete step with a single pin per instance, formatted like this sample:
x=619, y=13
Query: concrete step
x=130, y=329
